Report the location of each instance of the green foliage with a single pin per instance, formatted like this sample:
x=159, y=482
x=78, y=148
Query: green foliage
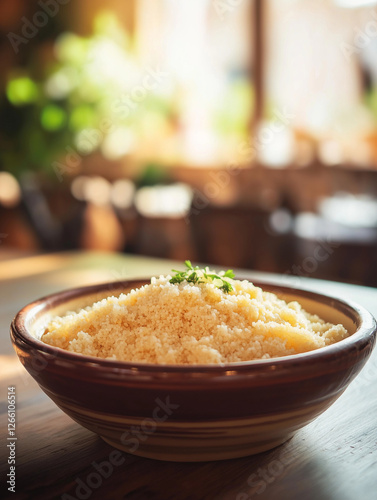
x=371, y=101
x=195, y=275
x=48, y=104
x=152, y=174
x=22, y=91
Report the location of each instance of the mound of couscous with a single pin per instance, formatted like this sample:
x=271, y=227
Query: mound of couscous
x=169, y=322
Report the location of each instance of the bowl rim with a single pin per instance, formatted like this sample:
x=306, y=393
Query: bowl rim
x=365, y=333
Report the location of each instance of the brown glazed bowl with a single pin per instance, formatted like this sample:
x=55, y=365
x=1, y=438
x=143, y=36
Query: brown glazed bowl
x=193, y=412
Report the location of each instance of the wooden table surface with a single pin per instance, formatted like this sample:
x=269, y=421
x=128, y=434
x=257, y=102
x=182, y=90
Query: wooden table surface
x=333, y=458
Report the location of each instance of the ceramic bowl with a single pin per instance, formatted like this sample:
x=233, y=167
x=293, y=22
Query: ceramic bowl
x=197, y=412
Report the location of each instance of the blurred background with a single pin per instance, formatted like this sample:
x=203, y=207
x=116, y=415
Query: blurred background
x=240, y=133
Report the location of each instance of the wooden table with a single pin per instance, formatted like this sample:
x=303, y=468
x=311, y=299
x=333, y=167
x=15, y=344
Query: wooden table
x=333, y=458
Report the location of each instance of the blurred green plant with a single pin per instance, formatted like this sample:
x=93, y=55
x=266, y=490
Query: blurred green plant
x=91, y=95
x=46, y=107
x=151, y=175
x=371, y=101
x=234, y=112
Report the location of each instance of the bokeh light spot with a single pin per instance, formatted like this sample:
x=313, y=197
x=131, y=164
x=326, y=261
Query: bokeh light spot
x=53, y=118
x=22, y=91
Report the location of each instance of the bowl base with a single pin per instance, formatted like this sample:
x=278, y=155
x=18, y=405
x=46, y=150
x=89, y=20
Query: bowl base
x=179, y=454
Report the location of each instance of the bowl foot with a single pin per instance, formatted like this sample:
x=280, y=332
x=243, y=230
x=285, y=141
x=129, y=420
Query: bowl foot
x=203, y=453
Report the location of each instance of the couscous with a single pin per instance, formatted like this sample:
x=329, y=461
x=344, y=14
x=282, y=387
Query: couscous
x=200, y=321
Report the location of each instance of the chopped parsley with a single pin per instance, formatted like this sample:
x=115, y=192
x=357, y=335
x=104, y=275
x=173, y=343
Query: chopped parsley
x=195, y=275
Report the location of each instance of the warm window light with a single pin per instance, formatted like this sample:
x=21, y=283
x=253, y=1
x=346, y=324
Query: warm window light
x=199, y=145
x=10, y=192
x=172, y=201
x=275, y=146
x=186, y=55
x=117, y=144
x=353, y=4
x=114, y=63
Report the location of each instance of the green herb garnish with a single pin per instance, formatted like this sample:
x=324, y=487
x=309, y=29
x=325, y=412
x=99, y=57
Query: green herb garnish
x=222, y=280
